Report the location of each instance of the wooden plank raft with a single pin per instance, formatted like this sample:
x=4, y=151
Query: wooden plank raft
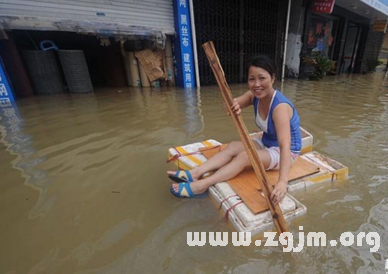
x=247, y=186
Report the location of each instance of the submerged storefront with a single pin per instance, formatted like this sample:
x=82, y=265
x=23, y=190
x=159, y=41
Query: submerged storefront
x=339, y=30
x=341, y=36
x=240, y=30
x=121, y=43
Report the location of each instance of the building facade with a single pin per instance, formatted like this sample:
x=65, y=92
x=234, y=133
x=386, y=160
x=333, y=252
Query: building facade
x=345, y=35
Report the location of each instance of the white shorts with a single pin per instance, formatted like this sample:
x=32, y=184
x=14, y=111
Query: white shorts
x=274, y=153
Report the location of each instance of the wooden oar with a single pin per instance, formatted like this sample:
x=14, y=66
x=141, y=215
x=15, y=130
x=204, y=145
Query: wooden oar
x=254, y=158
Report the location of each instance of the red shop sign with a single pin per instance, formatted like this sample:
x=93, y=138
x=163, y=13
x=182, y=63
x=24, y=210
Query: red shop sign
x=323, y=6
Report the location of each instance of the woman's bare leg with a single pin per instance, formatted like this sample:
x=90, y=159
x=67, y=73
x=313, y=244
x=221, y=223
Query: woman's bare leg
x=217, y=161
x=228, y=171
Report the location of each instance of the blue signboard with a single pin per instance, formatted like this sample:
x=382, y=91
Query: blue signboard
x=6, y=96
x=183, y=45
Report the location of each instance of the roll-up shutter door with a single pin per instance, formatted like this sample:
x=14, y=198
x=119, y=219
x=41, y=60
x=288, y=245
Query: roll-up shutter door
x=128, y=17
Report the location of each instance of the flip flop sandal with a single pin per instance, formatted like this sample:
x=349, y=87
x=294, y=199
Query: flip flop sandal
x=181, y=176
x=184, y=191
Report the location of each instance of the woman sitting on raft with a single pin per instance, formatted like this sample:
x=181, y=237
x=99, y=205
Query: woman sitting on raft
x=278, y=149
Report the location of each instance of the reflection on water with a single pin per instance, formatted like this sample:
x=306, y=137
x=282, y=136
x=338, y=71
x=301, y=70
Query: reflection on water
x=20, y=144
x=84, y=187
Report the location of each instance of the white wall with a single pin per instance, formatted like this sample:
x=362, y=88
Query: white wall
x=294, y=46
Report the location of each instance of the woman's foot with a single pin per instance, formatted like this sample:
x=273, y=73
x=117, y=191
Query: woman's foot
x=183, y=175
x=195, y=188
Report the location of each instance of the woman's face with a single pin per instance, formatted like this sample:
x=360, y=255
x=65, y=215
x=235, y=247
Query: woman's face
x=260, y=82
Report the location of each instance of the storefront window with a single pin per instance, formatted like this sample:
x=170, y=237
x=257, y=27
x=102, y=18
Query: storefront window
x=320, y=37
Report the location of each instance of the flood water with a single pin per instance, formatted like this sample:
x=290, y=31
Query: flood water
x=83, y=186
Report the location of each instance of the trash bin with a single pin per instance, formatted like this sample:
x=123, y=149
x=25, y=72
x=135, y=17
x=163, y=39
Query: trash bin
x=44, y=71
x=76, y=71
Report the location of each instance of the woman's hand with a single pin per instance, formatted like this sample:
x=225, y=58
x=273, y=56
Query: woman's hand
x=235, y=107
x=278, y=192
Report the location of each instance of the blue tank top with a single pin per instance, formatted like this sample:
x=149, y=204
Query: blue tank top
x=270, y=137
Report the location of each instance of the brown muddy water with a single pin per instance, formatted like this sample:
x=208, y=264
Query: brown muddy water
x=83, y=185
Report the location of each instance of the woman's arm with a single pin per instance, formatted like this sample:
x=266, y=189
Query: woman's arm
x=245, y=100
x=281, y=116
x=241, y=102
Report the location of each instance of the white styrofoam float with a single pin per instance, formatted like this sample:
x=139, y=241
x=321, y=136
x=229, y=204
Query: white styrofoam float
x=243, y=220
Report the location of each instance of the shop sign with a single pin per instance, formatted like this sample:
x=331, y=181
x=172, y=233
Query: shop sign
x=184, y=46
x=379, y=26
x=323, y=6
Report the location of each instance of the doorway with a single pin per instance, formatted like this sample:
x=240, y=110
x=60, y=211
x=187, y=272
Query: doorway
x=350, y=56
x=240, y=30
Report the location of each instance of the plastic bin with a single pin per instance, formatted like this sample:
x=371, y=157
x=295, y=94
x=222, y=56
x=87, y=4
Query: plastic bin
x=76, y=71
x=43, y=69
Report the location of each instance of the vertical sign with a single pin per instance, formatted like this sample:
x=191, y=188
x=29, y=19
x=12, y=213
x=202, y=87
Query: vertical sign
x=6, y=96
x=323, y=6
x=183, y=45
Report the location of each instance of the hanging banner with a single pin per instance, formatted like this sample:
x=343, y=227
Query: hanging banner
x=323, y=6
x=183, y=46
x=379, y=26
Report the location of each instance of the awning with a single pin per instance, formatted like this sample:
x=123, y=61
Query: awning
x=100, y=28
x=371, y=9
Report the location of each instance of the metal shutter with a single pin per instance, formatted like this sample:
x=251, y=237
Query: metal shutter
x=128, y=17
